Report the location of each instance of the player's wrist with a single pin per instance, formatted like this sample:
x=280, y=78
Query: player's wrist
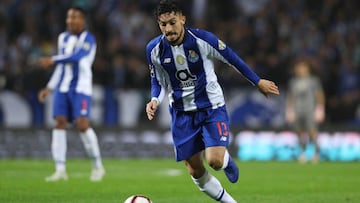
x=155, y=99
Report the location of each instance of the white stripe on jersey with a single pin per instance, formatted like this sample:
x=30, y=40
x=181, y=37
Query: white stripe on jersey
x=85, y=74
x=68, y=75
x=69, y=48
x=213, y=89
x=163, y=75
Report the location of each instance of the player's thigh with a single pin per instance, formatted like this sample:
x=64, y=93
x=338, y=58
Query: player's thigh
x=61, y=105
x=186, y=136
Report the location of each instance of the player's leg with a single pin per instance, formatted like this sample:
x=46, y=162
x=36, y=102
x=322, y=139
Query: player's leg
x=58, y=141
x=313, y=136
x=302, y=144
x=299, y=126
x=216, y=133
x=312, y=129
x=219, y=158
x=82, y=105
x=207, y=183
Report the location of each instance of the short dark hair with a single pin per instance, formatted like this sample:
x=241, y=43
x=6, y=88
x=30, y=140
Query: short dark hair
x=168, y=6
x=81, y=10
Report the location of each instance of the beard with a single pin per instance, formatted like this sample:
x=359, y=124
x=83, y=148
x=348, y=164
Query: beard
x=174, y=38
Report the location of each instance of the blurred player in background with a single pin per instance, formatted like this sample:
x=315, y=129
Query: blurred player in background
x=180, y=63
x=305, y=107
x=71, y=84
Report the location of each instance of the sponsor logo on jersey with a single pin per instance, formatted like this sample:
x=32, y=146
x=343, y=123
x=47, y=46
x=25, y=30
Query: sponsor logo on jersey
x=193, y=56
x=167, y=60
x=186, y=78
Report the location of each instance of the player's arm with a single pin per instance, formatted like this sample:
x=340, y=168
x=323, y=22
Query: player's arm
x=220, y=51
x=320, y=104
x=82, y=50
x=289, y=106
x=157, y=90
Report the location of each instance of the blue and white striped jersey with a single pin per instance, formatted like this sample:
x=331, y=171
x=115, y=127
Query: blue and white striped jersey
x=76, y=54
x=187, y=73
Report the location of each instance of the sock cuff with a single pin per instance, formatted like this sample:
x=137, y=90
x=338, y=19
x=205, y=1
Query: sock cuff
x=226, y=159
x=203, y=179
x=59, y=131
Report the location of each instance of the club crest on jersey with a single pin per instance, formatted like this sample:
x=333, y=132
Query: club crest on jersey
x=193, y=56
x=222, y=45
x=180, y=59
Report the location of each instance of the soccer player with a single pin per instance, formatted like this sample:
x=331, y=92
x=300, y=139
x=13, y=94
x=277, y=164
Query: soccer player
x=71, y=84
x=180, y=62
x=305, y=106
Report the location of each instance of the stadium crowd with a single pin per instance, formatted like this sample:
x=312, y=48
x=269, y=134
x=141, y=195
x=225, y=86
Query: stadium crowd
x=270, y=35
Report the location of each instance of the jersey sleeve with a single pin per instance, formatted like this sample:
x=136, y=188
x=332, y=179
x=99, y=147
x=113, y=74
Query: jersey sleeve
x=157, y=89
x=82, y=50
x=220, y=51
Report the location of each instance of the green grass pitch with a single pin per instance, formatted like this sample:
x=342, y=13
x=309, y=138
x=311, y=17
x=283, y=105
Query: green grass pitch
x=166, y=181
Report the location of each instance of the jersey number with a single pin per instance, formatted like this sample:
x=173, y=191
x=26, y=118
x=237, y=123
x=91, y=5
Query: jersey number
x=222, y=128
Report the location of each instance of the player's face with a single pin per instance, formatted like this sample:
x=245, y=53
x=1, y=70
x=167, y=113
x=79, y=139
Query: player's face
x=75, y=21
x=302, y=70
x=172, y=26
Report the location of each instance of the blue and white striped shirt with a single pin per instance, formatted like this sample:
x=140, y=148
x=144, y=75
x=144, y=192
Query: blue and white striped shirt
x=187, y=71
x=76, y=54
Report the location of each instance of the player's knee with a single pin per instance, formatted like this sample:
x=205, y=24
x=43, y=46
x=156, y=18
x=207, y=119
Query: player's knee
x=215, y=163
x=82, y=128
x=196, y=171
x=82, y=125
x=61, y=122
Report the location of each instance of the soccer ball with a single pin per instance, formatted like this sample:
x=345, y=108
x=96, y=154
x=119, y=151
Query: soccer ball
x=138, y=199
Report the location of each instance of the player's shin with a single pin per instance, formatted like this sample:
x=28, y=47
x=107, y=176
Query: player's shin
x=58, y=148
x=91, y=145
x=212, y=187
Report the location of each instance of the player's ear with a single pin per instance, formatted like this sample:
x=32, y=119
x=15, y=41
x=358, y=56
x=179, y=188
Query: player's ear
x=183, y=19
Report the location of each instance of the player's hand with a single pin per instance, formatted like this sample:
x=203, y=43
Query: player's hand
x=151, y=108
x=289, y=115
x=45, y=62
x=43, y=94
x=267, y=87
x=319, y=114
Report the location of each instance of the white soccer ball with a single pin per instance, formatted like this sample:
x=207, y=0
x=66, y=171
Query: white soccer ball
x=138, y=199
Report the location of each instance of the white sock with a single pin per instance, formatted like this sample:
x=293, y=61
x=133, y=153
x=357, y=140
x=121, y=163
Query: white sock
x=212, y=187
x=91, y=145
x=58, y=148
x=226, y=159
